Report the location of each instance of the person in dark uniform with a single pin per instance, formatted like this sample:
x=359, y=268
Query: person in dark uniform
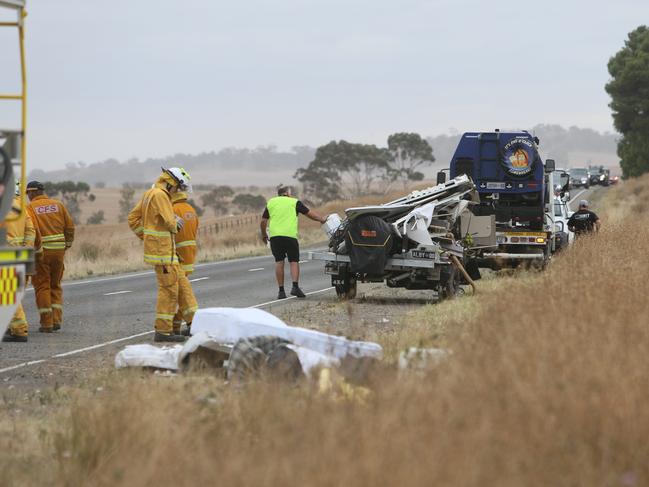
x=280, y=221
x=583, y=221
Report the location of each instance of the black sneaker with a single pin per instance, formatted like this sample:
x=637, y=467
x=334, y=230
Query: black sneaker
x=163, y=337
x=187, y=332
x=281, y=294
x=8, y=337
x=296, y=291
x=46, y=329
x=56, y=326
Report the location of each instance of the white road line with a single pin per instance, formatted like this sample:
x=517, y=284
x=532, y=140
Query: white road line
x=24, y=364
x=148, y=273
x=117, y=292
x=198, y=279
x=256, y=269
x=118, y=340
x=578, y=195
x=100, y=345
x=105, y=279
x=303, y=261
x=290, y=297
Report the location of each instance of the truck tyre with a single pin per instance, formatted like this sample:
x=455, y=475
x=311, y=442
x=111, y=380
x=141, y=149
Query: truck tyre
x=346, y=290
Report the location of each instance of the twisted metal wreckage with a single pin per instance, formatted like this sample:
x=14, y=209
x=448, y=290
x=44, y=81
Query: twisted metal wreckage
x=425, y=240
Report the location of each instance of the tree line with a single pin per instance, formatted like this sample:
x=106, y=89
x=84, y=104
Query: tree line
x=222, y=200
x=342, y=169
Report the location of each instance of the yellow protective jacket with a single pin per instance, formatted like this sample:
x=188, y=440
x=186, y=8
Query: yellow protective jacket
x=20, y=232
x=54, y=223
x=154, y=221
x=186, y=236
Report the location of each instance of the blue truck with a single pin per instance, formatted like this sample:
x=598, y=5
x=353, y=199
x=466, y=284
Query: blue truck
x=516, y=188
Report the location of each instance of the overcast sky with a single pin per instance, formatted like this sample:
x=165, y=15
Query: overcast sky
x=154, y=77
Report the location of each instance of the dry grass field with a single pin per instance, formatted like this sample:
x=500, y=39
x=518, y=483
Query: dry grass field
x=547, y=385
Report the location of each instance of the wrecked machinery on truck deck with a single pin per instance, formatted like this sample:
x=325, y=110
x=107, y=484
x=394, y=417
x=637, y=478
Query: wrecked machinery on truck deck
x=423, y=240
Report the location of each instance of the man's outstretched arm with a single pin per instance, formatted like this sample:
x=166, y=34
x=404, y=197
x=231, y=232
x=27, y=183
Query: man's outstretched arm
x=315, y=216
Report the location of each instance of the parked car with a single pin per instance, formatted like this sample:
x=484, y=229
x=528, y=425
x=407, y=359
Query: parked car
x=579, y=177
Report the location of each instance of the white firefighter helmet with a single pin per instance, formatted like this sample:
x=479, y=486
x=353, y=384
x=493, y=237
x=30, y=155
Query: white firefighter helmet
x=181, y=177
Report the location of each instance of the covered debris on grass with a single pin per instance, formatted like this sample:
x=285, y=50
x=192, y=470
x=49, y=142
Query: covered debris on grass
x=244, y=341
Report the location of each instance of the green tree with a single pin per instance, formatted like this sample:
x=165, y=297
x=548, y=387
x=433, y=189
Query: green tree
x=96, y=218
x=249, y=203
x=126, y=201
x=343, y=169
x=409, y=152
x=629, y=91
x=218, y=199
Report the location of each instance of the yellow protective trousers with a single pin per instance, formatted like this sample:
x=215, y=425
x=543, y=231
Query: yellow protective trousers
x=18, y=325
x=47, y=286
x=180, y=314
x=174, y=292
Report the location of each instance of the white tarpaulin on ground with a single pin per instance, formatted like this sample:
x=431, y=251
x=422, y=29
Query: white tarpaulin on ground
x=214, y=327
x=227, y=325
x=149, y=356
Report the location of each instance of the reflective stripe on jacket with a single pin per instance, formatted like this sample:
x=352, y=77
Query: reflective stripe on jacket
x=20, y=232
x=282, y=211
x=53, y=221
x=153, y=220
x=186, y=236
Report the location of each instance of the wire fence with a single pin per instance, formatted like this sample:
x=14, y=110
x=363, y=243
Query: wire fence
x=121, y=232
x=228, y=223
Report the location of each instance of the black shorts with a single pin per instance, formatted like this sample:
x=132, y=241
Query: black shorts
x=283, y=247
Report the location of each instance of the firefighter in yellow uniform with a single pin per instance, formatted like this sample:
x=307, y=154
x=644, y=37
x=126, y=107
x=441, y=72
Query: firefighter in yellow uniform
x=56, y=230
x=20, y=233
x=153, y=220
x=185, y=246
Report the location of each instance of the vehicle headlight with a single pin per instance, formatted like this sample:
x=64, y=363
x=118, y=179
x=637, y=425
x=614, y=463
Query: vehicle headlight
x=583, y=180
x=602, y=177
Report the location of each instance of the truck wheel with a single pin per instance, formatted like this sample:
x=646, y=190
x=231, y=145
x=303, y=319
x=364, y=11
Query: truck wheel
x=346, y=290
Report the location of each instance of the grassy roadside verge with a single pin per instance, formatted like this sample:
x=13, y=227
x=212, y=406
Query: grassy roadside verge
x=547, y=385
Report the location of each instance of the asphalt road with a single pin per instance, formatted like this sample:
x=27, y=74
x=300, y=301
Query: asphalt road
x=99, y=311
x=578, y=194
x=104, y=311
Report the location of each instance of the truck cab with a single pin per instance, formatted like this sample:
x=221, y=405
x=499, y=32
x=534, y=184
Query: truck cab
x=517, y=188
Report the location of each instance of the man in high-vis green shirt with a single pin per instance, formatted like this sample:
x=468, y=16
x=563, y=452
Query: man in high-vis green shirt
x=280, y=220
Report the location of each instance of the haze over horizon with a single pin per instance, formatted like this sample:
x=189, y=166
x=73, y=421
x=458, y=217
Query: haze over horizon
x=148, y=79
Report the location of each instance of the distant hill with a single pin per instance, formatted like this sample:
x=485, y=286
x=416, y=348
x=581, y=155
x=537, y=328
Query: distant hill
x=267, y=166
x=231, y=166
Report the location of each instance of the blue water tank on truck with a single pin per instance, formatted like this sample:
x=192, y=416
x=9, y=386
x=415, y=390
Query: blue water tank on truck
x=508, y=172
x=515, y=188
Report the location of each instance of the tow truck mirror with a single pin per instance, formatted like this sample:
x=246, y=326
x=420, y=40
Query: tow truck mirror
x=565, y=196
x=441, y=177
x=549, y=165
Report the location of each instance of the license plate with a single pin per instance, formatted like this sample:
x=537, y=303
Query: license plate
x=423, y=254
x=495, y=185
